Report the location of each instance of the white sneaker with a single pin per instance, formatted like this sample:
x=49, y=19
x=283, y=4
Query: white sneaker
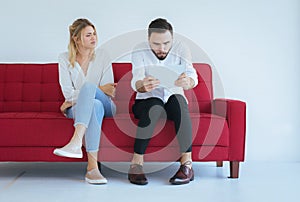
x=94, y=177
x=70, y=150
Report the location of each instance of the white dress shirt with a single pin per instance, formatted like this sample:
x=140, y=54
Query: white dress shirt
x=71, y=78
x=143, y=56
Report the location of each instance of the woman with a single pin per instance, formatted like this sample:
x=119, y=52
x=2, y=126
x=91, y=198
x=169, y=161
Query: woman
x=86, y=80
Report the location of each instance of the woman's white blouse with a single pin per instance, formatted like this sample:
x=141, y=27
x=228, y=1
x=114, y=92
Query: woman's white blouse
x=71, y=78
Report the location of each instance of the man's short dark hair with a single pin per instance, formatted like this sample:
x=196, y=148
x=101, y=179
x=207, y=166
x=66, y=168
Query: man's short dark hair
x=159, y=25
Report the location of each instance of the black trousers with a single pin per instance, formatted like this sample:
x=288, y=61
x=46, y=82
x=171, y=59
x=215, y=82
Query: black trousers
x=150, y=110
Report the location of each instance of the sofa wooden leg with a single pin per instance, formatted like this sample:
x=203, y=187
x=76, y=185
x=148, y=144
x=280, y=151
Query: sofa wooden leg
x=219, y=163
x=234, y=169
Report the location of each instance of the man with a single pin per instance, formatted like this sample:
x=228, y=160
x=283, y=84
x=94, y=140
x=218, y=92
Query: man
x=153, y=100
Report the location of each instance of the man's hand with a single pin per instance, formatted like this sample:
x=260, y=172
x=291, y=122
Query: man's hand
x=147, y=84
x=109, y=89
x=185, y=82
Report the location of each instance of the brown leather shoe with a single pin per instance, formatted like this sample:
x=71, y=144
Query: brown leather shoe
x=183, y=176
x=136, y=175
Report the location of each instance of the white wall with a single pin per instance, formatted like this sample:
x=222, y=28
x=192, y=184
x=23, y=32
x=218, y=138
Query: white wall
x=254, y=45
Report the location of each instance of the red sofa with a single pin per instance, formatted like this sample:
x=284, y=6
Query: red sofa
x=31, y=125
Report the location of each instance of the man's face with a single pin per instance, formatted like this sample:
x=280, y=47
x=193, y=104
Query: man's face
x=161, y=43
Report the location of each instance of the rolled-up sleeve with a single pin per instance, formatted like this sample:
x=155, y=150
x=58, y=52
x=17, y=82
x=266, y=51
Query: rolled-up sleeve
x=186, y=57
x=65, y=81
x=104, y=63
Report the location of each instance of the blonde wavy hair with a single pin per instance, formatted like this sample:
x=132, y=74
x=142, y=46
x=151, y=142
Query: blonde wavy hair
x=75, y=31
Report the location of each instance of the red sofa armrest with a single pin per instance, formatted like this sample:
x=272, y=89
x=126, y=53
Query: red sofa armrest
x=235, y=113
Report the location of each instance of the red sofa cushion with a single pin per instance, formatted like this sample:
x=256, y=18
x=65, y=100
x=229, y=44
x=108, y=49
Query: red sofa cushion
x=210, y=130
x=29, y=88
x=35, y=129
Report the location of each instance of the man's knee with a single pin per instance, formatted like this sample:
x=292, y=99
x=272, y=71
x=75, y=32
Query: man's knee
x=178, y=98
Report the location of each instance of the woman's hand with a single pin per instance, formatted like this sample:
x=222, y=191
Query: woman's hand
x=109, y=89
x=65, y=106
x=185, y=82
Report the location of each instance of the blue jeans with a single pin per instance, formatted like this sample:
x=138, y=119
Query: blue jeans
x=91, y=107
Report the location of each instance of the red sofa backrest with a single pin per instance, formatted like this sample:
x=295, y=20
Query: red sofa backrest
x=200, y=97
x=124, y=93
x=30, y=88
x=35, y=88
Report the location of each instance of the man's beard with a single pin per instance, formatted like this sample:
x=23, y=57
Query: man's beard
x=160, y=57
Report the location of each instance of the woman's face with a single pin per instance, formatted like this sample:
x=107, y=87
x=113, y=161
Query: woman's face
x=88, y=38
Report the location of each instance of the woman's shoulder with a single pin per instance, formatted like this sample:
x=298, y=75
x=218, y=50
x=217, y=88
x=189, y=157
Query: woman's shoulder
x=63, y=60
x=102, y=56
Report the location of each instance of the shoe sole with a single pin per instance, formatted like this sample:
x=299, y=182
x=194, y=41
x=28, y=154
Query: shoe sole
x=138, y=183
x=102, y=181
x=181, y=183
x=59, y=152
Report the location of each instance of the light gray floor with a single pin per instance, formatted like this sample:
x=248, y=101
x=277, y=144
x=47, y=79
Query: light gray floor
x=48, y=182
